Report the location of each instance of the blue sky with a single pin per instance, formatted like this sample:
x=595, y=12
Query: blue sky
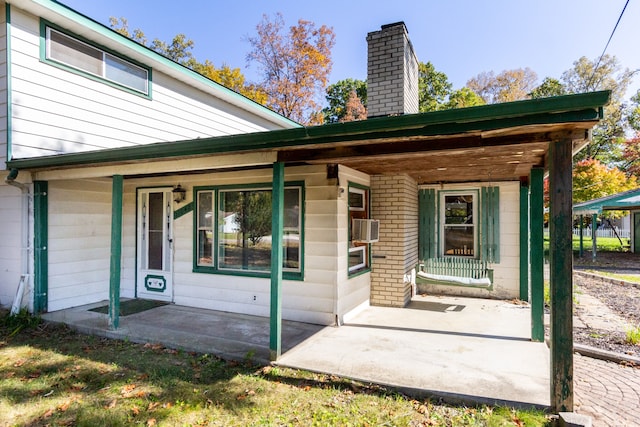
x=460, y=37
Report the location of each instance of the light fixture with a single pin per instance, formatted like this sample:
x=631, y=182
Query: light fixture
x=179, y=194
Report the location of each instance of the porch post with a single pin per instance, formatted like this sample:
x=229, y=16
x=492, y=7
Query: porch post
x=581, y=235
x=524, y=240
x=537, y=254
x=561, y=268
x=594, y=232
x=277, y=225
x=116, y=251
x=40, y=243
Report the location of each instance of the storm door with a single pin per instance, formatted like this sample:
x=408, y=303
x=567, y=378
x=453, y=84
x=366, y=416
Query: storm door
x=155, y=244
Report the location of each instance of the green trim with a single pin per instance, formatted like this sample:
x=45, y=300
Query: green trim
x=367, y=268
x=427, y=236
x=104, y=31
x=490, y=223
x=536, y=235
x=563, y=109
x=9, y=83
x=277, y=231
x=154, y=289
x=116, y=251
x=189, y=207
x=43, y=58
x=524, y=241
x=287, y=274
x=41, y=246
x=613, y=202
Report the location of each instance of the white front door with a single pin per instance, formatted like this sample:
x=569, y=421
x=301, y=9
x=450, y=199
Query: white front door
x=155, y=244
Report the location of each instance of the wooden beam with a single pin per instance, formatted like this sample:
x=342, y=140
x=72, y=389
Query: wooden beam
x=116, y=251
x=561, y=269
x=277, y=227
x=536, y=215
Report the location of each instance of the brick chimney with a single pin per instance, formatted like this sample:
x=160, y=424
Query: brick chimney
x=392, y=72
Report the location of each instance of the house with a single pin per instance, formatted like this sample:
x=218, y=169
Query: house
x=100, y=131
x=625, y=201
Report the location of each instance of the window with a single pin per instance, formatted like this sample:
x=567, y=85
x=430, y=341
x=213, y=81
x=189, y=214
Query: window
x=358, y=209
x=71, y=52
x=240, y=241
x=459, y=228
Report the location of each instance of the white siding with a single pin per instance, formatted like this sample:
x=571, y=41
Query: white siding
x=57, y=111
x=3, y=90
x=352, y=291
x=10, y=241
x=507, y=271
x=79, y=242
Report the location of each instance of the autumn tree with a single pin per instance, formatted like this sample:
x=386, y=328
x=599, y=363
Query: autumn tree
x=509, y=85
x=593, y=179
x=631, y=156
x=295, y=66
x=180, y=50
x=604, y=74
x=354, y=110
x=337, y=96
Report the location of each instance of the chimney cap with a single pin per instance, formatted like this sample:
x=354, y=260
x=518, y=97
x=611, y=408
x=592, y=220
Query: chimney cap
x=395, y=24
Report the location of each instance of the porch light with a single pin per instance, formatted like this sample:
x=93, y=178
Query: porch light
x=179, y=194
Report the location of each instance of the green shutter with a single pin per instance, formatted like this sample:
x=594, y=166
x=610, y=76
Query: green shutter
x=426, y=225
x=490, y=223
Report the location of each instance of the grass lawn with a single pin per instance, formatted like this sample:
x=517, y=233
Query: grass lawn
x=603, y=244
x=52, y=376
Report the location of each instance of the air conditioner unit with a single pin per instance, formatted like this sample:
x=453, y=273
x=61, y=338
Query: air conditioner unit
x=365, y=230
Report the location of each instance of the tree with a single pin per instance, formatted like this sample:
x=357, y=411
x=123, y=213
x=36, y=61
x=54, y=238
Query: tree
x=548, y=87
x=593, y=179
x=231, y=78
x=354, y=109
x=295, y=66
x=434, y=88
x=337, y=96
x=464, y=97
x=631, y=156
x=509, y=85
x=606, y=74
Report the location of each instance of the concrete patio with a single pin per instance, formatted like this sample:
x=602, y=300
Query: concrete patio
x=461, y=349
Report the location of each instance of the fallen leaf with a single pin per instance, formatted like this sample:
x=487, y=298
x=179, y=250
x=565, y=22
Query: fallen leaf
x=111, y=404
x=63, y=407
x=48, y=413
x=127, y=388
x=19, y=363
x=151, y=422
x=167, y=405
x=152, y=406
x=135, y=410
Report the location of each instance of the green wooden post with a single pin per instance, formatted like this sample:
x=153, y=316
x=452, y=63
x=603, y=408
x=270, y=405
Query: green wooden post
x=594, y=232
x=537, y=253
x=561, y=268
x=277, y=226
x=581, y=235
x=524, y=241
x=116, y=251
x=41, y=246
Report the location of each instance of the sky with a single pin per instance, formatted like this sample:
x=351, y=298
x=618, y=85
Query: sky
x=461, y=38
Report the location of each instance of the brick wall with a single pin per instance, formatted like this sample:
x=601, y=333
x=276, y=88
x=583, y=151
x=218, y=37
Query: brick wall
x=392, y=72
x=394, y=201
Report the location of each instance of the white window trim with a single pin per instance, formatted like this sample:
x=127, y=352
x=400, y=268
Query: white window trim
x=363, y=193
x=441, y=220
x=364, y=258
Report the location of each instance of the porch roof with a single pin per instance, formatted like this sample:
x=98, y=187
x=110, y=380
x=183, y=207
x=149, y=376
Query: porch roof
x=486, y=143
x=627, y=200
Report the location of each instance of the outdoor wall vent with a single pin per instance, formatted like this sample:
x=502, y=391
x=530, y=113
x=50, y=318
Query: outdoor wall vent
x=365, y=230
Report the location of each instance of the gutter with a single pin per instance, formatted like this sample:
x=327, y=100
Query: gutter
x=26, y=248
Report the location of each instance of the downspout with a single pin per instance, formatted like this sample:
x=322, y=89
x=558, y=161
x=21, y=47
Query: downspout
x=26, y=209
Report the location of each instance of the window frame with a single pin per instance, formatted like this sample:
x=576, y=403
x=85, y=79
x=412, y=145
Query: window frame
x=46, y=56
x=365, y=213
x=442, y=194
x=287, y=272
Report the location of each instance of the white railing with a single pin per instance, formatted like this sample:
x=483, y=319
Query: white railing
x=600, y=232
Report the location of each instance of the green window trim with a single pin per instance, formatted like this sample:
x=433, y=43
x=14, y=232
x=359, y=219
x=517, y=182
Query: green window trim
x=487, y=226
x=365, y=211
x=214, y=268
x=45, y=26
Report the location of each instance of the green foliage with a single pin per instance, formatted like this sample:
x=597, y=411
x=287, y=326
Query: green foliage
x=548, y=87
x=433, y=88
x=253, y=213
x=19, y=321
x=337, y=96
x=632, y=335
x=464, y=97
